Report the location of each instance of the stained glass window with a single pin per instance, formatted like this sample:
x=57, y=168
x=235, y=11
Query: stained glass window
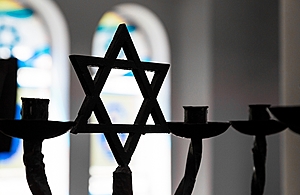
x=23, y=35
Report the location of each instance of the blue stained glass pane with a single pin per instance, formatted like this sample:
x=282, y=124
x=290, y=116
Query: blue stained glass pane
x=37, y=53
x=131, y=28
x=23, y=13
x=15, y=38
x=128, y=74
x=14, y=146
x=112, y=29
x=18, y=112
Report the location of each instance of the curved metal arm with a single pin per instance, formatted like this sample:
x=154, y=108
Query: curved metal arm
x=259, y=157
x=35, y=168
x=193, y=162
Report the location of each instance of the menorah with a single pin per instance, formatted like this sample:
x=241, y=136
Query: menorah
x=35, y=126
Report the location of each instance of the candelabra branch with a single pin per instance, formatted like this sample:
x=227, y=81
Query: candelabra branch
x=35, y=168
x=259, y=157
x=35, y=109
x=193, y=162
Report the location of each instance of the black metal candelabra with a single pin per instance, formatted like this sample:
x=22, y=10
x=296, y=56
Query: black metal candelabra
x=35, y=127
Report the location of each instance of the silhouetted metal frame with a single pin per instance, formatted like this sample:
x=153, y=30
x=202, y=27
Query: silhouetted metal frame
x=8, y=91
x=93, y=88
x=122, y=184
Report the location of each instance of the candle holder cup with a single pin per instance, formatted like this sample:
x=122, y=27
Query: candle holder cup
x=195, y=127
x=259, y=125
x=33, y=129
x=288, y=115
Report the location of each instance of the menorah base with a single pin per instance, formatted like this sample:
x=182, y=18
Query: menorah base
x=122, y=181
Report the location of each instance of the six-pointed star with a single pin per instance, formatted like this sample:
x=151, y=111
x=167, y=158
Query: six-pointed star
x=93, y=102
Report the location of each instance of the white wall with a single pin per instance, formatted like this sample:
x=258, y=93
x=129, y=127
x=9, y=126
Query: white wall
x=290, y=92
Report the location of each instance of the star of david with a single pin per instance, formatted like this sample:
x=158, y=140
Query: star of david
x=93, y=102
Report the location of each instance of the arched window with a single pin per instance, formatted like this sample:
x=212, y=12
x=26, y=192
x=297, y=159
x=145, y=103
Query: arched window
x=122, y=99
x=27, y=33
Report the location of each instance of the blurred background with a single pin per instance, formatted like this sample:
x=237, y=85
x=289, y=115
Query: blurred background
x=224, y=54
